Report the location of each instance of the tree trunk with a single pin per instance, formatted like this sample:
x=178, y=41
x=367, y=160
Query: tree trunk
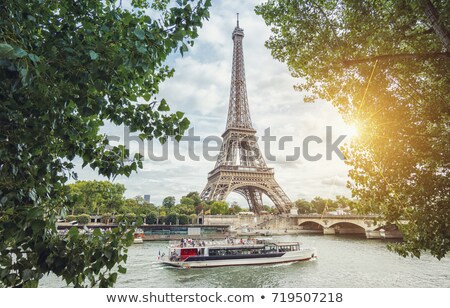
x=438, y=26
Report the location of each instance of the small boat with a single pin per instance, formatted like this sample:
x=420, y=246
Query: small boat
x=199, y=254
x=138, y=236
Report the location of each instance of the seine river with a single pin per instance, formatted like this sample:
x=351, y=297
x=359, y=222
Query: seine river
x=342, y=262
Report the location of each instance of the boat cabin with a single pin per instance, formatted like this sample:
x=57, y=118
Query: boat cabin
x=218, y=251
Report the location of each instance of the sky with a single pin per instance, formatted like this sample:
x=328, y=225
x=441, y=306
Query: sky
x=200, y=88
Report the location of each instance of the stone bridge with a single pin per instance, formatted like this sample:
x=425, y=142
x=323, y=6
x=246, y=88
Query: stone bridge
x=370, y=225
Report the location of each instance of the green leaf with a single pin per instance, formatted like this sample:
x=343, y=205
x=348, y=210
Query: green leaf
x=37, y=226
x=163, y=106
x=93, y=55
x=32, y=194
x=122, y=269
x=97, y=232
x=142, y=49
x=6, y=51
x=73, y=232
x=19, y=53
x=33, y=57
x=183, y=49
x=139, y=33
x=24, y=77
x=27, y=274
x=184, y=124
x=147, y=96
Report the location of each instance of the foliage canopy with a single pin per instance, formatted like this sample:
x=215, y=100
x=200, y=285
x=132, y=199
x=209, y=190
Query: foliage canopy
x=385, y=65
x=66, y=67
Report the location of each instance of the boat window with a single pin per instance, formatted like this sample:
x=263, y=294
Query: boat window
x=284, y=248
x=270, y=248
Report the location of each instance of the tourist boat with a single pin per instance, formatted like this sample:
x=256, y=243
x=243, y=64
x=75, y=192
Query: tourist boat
x=198, y=254
x=138, y=236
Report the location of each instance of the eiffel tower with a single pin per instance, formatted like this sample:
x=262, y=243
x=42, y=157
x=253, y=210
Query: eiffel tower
x=240, y=166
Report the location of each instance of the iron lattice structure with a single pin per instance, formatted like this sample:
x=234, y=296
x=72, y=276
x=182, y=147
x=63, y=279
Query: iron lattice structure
x=240, y=167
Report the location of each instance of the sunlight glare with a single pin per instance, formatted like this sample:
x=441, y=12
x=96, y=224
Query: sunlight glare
x=352, y=131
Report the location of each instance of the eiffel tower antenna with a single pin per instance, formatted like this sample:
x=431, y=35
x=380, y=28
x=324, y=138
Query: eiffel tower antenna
x=240, y=166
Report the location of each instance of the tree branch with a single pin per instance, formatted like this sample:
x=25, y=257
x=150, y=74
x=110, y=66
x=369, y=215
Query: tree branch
x=400, y=56
x=439, y=27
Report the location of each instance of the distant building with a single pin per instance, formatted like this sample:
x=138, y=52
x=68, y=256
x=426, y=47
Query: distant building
x=147, y=198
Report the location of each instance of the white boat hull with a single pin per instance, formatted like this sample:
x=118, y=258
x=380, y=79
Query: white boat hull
x=291, y=256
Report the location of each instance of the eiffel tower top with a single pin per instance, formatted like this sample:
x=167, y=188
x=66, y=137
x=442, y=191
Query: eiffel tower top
x=238, y=110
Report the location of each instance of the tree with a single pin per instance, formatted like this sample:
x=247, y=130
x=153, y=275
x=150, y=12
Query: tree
x=194, y=195
x=168, y=202
x=171, y=219
x=268, y=208
x=184, y=209
x=344, y=202
x=96, y=196
x=235, y=208
x=187, y=201
x=385, y=66
x=219, y=208
x=131, y=218
x=84, y=219
x=129, y=206
x=200, y=208
x=70, y=218
x=303, y=206
x=319, y=205
x=140, y=219
x=66, y=67
x=151, y=218
x=183, y=219
x=134, y=206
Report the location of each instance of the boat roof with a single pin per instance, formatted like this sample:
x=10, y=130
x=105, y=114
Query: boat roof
x=227, y=245
x=285, y=243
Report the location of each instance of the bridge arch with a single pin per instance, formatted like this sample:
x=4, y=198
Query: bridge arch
x=348, y=224
x=311, y=225
x=348, y=228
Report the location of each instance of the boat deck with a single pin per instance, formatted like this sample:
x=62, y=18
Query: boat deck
x=249, y=243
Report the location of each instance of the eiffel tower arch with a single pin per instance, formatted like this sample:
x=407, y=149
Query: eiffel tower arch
x=240, y=167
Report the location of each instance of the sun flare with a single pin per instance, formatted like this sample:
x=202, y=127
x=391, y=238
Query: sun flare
x=352, y=131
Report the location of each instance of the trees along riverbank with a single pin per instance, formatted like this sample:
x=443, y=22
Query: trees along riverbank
x=106, y=199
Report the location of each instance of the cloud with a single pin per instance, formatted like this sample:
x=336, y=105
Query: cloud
x=335, y=181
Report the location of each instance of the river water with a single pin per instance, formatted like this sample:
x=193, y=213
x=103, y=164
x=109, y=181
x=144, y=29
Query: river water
x=343, y=261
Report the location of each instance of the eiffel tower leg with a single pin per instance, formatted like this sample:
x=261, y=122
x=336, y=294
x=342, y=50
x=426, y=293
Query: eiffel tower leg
x=278, y=197
x=254, y=198
x=216, y=190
